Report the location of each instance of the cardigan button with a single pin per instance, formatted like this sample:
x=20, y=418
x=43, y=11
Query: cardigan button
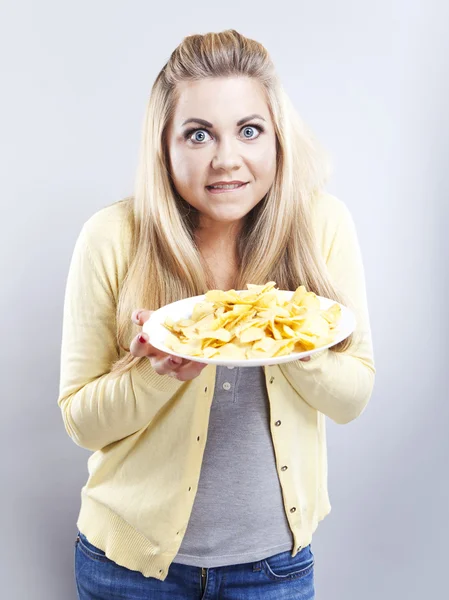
x=293, y=509
x=277, y=423
x=271, y=379
x=284, y=468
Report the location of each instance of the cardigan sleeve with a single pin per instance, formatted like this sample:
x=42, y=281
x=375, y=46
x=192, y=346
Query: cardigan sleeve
x=98, y=407
x=340, y=384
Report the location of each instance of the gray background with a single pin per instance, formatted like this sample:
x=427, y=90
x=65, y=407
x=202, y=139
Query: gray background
x=371, y=80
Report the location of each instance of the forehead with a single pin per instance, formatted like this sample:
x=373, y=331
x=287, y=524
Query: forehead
x=220, y=100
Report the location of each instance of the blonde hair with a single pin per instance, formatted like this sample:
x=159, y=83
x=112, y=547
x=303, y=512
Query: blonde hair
x=276, y=242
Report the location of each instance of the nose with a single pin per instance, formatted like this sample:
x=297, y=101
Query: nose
x=226, y=158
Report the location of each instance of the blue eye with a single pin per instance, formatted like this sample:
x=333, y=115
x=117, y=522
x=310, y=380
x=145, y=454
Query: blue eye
x=249, y=128
x=200, y=132
x=197, y=136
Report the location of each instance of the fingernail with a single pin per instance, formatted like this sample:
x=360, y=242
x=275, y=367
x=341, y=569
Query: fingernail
x=142, y=339
x=176, y=360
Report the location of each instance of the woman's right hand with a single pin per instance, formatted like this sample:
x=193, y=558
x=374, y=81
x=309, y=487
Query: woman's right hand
x=162, y=363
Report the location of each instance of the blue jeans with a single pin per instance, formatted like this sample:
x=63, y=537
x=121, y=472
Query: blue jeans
x=279, y=577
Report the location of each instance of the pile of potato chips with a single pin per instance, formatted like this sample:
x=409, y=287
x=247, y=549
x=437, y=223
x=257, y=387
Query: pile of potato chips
x=256, y=323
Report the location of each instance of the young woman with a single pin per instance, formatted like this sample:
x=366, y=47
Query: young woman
x=208, y=482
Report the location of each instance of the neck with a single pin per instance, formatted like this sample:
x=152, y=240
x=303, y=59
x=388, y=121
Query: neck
x=218, y=248
x=217, y=238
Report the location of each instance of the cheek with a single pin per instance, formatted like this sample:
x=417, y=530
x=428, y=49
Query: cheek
x=263, y=156
x=265, y=165
x=186, y=169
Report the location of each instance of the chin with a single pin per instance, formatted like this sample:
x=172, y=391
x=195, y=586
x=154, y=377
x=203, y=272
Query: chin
x=230, y=217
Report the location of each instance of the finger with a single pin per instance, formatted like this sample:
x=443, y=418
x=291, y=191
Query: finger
x=141, y=315
x=140, y=346
x=166, y=364
x=189, y=370
x=305, y=359
x=170, y=365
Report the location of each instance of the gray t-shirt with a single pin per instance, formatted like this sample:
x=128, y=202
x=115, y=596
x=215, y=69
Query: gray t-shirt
x=238, y=514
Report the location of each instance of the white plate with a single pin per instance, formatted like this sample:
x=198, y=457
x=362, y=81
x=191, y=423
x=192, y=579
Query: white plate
x=182, y=309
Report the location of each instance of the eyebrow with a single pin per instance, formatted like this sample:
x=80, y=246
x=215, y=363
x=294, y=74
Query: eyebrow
x=207, y=124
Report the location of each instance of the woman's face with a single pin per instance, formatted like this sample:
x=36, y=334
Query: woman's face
x=223, y=141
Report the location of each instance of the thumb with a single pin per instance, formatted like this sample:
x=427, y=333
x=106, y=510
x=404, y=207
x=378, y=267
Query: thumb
x=140, y=316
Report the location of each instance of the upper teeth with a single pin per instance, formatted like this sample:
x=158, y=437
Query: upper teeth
x=226, y=187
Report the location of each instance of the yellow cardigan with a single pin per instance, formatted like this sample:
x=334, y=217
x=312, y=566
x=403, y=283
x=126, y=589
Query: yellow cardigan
x=148, y=432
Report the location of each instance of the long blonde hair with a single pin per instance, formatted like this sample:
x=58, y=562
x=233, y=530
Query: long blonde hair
x=276, y=243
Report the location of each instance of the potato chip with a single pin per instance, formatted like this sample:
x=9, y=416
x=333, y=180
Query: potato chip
x=251, y=334
x=201, y=309
x=210, y=351
x=220, y=297
x=284, y=347
x=299, y=294
x=310, y=300
x=260, y=322
x=315, y=324
x=233, y=351
x=289, y=331
x=185, y=323
x=332, y=314
x=267, y=345
x=218, y=334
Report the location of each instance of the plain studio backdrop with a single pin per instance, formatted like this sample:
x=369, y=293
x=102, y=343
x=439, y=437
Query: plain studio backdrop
x=370, y=79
